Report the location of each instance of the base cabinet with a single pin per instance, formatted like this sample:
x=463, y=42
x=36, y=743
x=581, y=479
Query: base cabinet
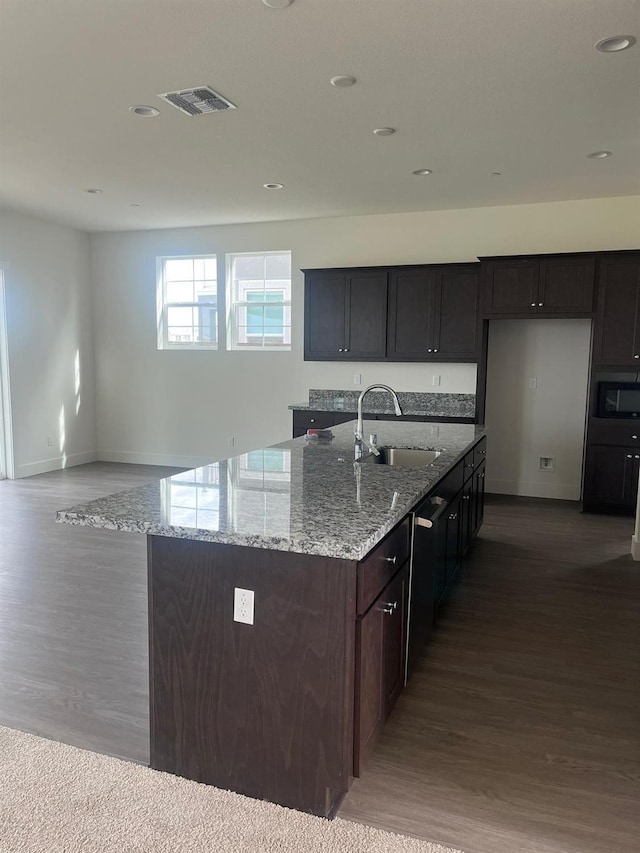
x=380, y=664
x=611, y=479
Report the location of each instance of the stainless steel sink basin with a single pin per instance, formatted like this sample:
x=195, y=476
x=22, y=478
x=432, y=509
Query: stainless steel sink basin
x=401, y=457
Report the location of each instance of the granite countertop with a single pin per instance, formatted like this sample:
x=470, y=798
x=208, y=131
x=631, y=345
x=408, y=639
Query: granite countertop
x=308, y=498
x=418, y=403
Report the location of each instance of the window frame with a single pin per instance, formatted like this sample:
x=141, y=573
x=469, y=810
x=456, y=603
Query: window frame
x=232, y=307
x=163, y=305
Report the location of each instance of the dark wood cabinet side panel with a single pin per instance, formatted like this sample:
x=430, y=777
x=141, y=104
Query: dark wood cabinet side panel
x=264, y=709
x=324, y=315
x=369, y=702
x=395, y=638
x=566, y=285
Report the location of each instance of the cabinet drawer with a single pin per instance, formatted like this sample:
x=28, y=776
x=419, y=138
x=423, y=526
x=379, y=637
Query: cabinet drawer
x=479, y=453
x=377, y=569
x=616, y=433
x=452, y=483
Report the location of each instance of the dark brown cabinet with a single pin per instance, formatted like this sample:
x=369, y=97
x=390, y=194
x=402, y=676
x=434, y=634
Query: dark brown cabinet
x=611, y=478
x=477, y=499
x=617, y=327
x=433, y=314
x=345, y=315
x=550, y=286
x=380, y=664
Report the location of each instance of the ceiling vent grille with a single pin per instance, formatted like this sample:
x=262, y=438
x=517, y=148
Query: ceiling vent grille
x=198, y=101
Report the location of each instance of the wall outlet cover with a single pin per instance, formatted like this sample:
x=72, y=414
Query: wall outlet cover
x=243, y=605
x=546, y=463
x=435, y=380
x=357, y=378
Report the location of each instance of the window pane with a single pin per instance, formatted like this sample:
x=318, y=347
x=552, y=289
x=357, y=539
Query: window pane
x=180, y=291
x=207, y=324
x=180, y=316
x=278, y=266
x=178, y=269
x=210, y=269
x=248, y=266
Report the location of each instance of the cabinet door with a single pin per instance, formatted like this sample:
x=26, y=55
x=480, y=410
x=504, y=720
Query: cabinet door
x=366, y=315
x=611, y=477
x=510, y=287
x=380, y=664
x=467, y=515
x=456, y=314
x=325, y=315
x=454, y=540
x=411, y=315
x=566, y=285
x=477, y=499
x=395, y=638
x=617, y=338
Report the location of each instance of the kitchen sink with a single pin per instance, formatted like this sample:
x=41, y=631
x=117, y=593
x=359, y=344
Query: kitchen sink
x=401, y=457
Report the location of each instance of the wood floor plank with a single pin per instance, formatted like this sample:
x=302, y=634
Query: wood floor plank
x=519, y=732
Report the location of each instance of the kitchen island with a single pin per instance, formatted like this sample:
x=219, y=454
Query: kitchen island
x=287, y=704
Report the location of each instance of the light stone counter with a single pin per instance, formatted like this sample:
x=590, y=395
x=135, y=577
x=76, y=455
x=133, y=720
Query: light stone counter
x=295, y=496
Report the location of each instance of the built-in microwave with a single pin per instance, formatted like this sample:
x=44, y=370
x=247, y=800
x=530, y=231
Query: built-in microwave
x=618, y=400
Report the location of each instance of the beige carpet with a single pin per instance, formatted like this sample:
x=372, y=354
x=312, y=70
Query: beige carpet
x=56, y=798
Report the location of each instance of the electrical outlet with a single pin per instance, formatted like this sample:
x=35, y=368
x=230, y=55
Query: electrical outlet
x=231, y=441
x=435, y=380
x=546, y=463
x=357, y=378
x=49, y=441
x=533, y=383
x=243, y=600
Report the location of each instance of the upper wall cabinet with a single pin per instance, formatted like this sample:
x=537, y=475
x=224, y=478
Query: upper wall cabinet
x=433, y=313
x=345, y=315
x=547, y=286
x=617, y=328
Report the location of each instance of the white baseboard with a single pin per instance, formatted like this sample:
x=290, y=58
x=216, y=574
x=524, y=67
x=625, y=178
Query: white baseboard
x=555, y=491
x=133, y=457
x=55, y=464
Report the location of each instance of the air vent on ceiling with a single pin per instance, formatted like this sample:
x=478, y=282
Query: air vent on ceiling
x=198, y=101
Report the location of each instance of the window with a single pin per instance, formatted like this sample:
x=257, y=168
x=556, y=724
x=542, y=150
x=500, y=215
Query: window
x=259, y=299
x=187, y=303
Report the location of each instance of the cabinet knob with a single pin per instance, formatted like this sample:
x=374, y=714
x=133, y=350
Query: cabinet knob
x=629, y=456
x=346, y=349
x=483, y=452
x=540, y=304
x=429, y=350
x=390, y=560
x=340, y=350
x=453, y=516
x=634, y=436
x=466, y=497
x=436, y=350
x=636, y=457
x=482, y=476
x=636, y=356
x=312, y=420
x=389, y=607
x=533, y=304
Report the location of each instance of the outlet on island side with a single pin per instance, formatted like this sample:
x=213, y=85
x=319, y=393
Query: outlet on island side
x=243, y=601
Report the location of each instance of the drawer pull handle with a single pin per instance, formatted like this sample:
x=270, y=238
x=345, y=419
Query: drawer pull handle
x=533, y=304
x=423, y=522
x=436, y=349
x=634, y=436
x=540, y=304
x=391, y=560
x=629, y=456
x=389, y=607
x=636, y=356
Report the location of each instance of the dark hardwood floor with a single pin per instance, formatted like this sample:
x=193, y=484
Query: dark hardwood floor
x=519, y=732
x=73, y=614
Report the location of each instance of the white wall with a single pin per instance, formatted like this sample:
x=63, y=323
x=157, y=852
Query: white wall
x=181, y=407
x=49, y=324
x=526, y=423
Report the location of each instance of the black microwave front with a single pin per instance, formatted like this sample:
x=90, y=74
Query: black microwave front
x=618, y=400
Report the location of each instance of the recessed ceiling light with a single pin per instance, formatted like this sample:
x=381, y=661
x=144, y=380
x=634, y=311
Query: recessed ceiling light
x=495, y=174
x=273, y=186
x=384, y=131
x=342, y=82
x=93, y=191
x=277, y=4
x=421, y=172
x=144, y=111
x=613, y=44
x=598, y=155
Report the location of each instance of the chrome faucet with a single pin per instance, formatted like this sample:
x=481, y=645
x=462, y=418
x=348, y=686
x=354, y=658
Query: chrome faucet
x=359, y=437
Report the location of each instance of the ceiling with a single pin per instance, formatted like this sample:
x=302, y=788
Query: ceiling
x=472, y=87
